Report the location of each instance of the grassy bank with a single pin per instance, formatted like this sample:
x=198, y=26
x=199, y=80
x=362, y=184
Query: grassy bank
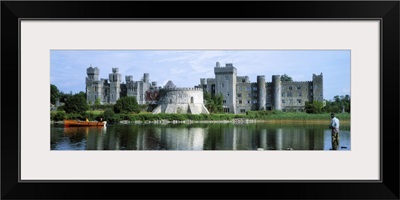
x=266, y=116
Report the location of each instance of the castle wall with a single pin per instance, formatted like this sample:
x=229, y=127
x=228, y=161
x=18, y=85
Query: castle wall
x=225, y=83
x=269, y=97
x=295, y=94
x=239, y=94
x=181, y=100
x=318, y=88
x=246, y=96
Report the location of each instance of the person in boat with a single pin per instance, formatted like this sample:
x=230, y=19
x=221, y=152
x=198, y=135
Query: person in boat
x=334, y=126
x=87, y=120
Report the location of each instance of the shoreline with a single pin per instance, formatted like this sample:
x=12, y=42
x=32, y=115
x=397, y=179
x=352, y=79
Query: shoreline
x=233, y=121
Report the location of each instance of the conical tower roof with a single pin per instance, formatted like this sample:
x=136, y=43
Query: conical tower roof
x=170, y=85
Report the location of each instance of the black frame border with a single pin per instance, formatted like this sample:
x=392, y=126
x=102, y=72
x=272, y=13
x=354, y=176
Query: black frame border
x=386, y=11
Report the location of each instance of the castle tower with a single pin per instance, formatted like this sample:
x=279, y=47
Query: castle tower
x=318, y=86
x=146, y=77
x=129, y=86
x=262, y=93
x=277, y=92
x=93, y=73
x=115, y=85
x=225, y=83
x=94, y=87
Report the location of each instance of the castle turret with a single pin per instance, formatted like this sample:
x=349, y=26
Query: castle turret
x=94, y=87
x=318, y=86
x=277, y=90
x=93, y=73
x=115, y=85
x=225, y=84
x=146, y=78
x=262, y=92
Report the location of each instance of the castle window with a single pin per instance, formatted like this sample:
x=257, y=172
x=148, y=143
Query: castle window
x=283, y=94
x=222, y=84
x=240, y=101
x=248, y=101
x=239, y=95
x=243, y=80
x=226, y=78
x=289, y=94
x=290, y=87
x=254, y=101
x=227, y=94
x=242, y=110
x=191, y=100
x=283, y=100
x=95, y=88
x=226, y=110
x=298, y=100
x=224, y=101
x=298, y=87
x=300, y=94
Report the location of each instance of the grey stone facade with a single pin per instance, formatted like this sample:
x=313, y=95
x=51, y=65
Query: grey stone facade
x=111, y=89
x=241, y=95
x=180, y=100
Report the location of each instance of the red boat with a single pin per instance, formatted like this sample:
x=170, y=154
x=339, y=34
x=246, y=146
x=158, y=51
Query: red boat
x=69, y=122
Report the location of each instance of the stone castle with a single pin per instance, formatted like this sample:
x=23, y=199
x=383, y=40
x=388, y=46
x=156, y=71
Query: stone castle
x=239, y=94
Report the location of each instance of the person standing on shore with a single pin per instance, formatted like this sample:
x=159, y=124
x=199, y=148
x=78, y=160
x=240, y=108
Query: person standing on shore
x=334, y=126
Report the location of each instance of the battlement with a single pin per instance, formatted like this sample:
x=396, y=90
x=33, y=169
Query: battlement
x=229, y=68
x=183, y=89
x=128, y=78
x=92, y=71
x=296, y=82
x=115, y=70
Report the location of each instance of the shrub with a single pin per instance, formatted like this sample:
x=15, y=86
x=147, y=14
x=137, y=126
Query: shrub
x=126, y=105
x=59, y=116
x=110, y=116
x=76, y=104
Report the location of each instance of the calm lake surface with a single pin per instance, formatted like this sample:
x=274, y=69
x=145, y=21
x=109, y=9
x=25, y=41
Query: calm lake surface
x=198, y=137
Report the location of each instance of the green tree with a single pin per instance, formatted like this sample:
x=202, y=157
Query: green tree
x=110, y=116
x=314, y=107
x=286, y=78
x=338, y=105
x=64, y=97
x=54, y=93
x=76, y=104
x=97, y=103
x=126, y=105
x=213, y=103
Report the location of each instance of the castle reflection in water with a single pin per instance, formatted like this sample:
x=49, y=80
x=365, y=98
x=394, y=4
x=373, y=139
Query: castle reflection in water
x=196, y=137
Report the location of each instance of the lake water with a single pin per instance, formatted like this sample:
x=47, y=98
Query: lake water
x=258, y=136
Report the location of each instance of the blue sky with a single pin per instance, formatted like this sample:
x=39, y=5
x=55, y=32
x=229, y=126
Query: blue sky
x=185, y=68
